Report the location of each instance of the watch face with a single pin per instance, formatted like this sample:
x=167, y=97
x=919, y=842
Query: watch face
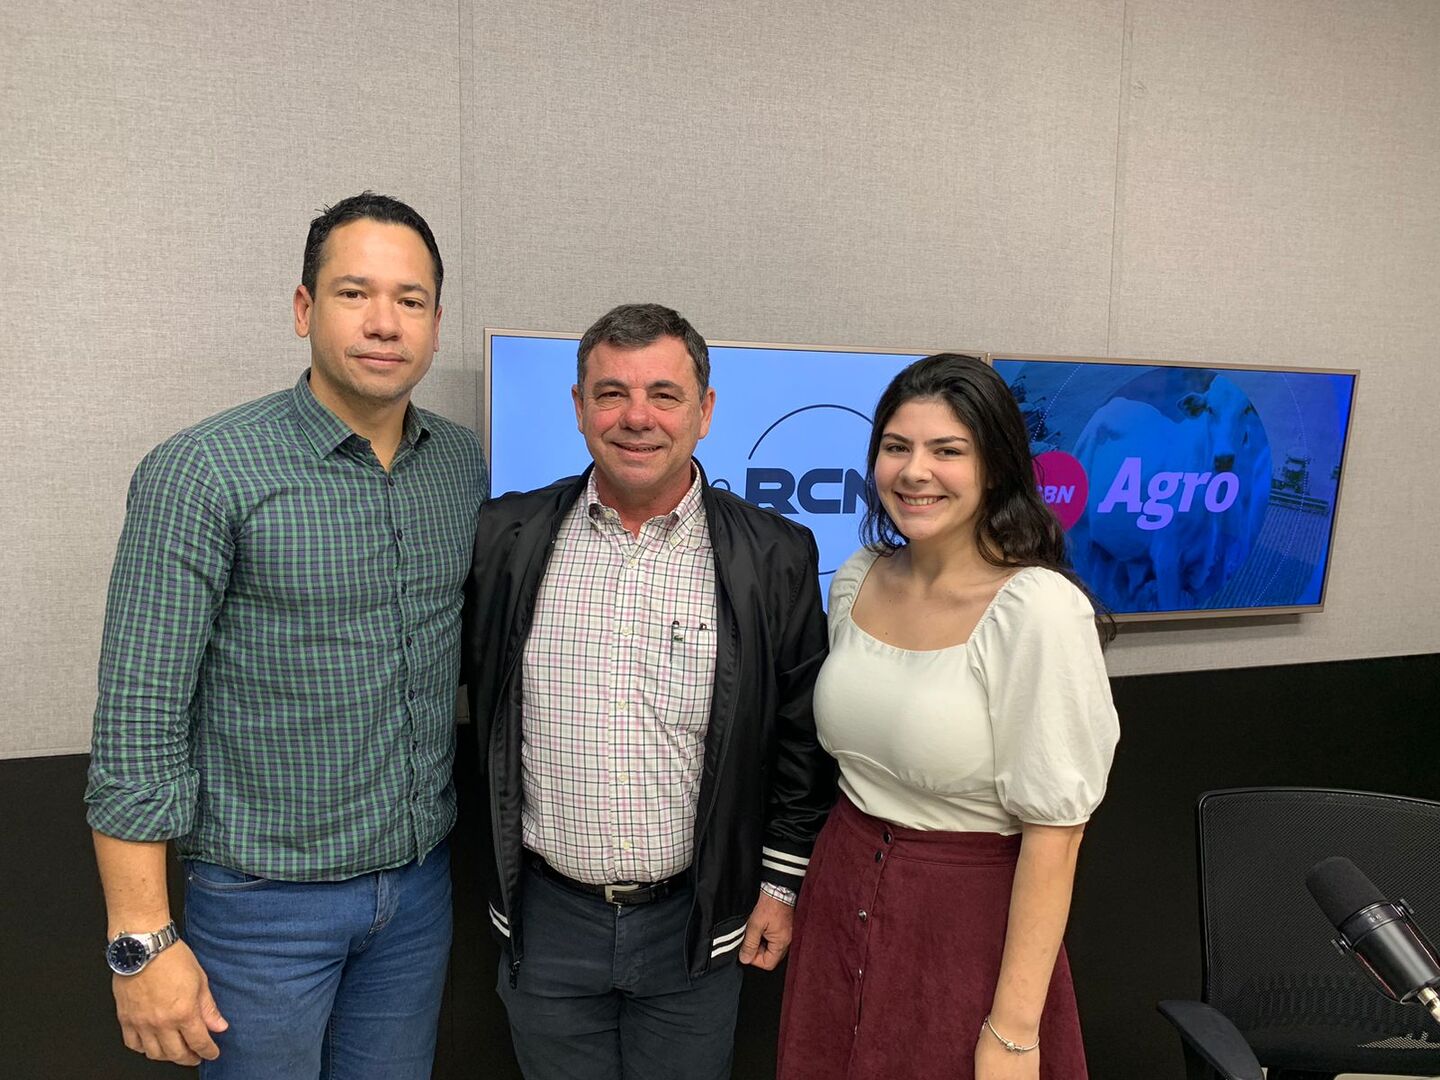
x=127, y=955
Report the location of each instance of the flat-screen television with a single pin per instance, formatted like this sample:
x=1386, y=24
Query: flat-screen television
x=1185, y=490
x=790, y=428
x=1189, y=490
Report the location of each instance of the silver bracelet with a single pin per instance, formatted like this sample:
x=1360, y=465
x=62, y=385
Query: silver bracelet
x=1014, y=1048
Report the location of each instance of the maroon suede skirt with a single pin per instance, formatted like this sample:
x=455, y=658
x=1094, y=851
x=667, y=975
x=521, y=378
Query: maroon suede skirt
x=898, y=939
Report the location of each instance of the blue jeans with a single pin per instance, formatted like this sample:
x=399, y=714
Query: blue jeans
x=323, y=979
x=604, y=992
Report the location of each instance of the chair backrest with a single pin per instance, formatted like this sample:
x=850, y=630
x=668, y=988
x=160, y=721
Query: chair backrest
x=1269, y=964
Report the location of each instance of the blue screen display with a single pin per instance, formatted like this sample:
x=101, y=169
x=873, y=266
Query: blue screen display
x=1183, y=489
x=1189, y=489
x=790, y=428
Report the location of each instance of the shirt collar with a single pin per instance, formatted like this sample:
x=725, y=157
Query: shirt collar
x=676, y=525
x=325, y=431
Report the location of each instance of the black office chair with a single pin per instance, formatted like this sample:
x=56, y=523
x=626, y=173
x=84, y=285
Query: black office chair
x=1275, y=990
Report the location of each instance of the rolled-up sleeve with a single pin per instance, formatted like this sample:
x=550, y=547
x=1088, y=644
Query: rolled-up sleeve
x=171, y=571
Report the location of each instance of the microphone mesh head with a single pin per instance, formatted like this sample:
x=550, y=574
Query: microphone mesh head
x=1341, y=889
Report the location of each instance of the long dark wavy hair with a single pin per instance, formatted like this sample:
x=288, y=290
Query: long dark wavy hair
x=1015, y=528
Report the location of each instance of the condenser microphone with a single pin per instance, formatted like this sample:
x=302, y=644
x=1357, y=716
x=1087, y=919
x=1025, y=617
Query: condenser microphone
x=1381, y=936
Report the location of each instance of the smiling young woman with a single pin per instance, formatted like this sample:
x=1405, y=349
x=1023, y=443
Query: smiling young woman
x=966, y=702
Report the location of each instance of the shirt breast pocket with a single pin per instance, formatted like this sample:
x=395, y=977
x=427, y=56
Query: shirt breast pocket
x=691, y=677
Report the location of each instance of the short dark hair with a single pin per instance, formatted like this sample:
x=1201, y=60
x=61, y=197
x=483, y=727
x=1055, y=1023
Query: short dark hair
x=633, y=326
x=1015, y=527
x=371, y=207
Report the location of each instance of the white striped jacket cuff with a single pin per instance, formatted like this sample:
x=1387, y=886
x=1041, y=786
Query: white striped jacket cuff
x=783, y=861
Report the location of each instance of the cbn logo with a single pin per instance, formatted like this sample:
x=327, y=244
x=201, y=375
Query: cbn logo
x=810, y=466
x=1063, y=484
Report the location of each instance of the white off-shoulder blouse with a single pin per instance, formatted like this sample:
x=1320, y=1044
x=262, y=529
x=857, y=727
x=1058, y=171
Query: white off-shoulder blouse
x=1014, y=725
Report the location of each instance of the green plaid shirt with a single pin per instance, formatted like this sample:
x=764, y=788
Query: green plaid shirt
x=281, y=649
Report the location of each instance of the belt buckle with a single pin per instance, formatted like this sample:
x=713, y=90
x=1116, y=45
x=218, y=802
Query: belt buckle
x=614, y=893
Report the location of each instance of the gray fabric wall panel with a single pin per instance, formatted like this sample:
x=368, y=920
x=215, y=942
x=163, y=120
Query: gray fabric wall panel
x=905, y=173
x=162, y=163
x=1279, y=204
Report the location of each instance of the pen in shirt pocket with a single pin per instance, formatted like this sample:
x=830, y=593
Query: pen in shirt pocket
x=677, y=634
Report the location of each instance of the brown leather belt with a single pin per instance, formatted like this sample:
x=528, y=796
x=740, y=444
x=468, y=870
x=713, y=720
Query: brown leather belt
x=620, y=893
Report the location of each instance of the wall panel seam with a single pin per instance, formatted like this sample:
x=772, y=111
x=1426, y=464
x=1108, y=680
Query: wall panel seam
x=1122, y=117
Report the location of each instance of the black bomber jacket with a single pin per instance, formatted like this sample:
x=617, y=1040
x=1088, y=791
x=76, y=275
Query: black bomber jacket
x=766, y=785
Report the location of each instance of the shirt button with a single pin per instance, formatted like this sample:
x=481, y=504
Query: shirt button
x=411, y=693
x=390, y=481
x=625, y=845
x=879, y=856
x=624, y=631
x=404, y=588
x=399, y=534
x=889, y=839
x=409, y=640
x=622, y=778
x=863, y=915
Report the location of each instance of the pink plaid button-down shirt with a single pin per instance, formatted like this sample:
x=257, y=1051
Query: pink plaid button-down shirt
x=619, y=671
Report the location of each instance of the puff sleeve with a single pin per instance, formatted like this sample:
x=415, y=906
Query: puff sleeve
x=1051, y=716
x=845, y=585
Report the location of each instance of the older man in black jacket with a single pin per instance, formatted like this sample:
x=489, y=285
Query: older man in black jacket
x=641, y=651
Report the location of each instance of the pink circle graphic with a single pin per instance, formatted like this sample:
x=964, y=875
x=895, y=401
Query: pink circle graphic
x=1063, y=485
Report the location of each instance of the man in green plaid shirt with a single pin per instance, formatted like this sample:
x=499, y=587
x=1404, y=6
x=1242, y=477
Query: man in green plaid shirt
x=277, y=688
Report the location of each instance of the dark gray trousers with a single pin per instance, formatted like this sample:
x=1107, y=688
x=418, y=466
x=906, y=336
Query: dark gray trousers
x=603, y=992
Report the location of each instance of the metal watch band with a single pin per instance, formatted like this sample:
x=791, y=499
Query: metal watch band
x=154, y=942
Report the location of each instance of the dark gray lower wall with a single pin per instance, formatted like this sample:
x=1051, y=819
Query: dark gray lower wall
x=1365, y=725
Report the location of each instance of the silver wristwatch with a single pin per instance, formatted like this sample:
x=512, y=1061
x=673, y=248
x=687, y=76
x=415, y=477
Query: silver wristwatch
x=127, y=954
